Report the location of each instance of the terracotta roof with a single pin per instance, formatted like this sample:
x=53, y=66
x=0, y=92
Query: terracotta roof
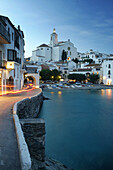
x=81, y=69
x=43, y=45
x=89, y=65
x=60, y=62
x=45, y=66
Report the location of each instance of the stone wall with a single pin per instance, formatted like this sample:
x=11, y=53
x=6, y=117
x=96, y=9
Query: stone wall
x=34, y=132
x=30, y=107
x=33, y=128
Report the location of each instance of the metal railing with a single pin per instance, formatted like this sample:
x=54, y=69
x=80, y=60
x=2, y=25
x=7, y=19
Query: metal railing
x=4, y=33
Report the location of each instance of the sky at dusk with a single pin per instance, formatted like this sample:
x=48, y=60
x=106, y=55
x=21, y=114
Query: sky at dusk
x=88, y=24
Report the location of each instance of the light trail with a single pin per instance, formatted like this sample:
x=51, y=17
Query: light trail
x=17, y=91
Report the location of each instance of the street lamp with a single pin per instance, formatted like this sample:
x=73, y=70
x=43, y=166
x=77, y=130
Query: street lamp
x=52, y=77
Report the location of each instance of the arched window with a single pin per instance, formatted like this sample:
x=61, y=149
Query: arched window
x=109, y=66
x=68, y=48
x=109, y=72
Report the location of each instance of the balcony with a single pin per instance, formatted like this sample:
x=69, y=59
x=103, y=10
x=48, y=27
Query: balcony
x=4, y=35
x=12, y=56
x=18, y=60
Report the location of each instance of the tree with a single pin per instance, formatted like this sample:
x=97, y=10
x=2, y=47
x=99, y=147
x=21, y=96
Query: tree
x=46, y=74
x=77, y=77
x=64, y=55
x=94, y=78
x=88, y=60
x=50, y=75
x=75, y=60
x=56, y=74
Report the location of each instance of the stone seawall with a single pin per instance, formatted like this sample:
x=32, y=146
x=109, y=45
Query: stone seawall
x=34, y=132
x=30, y=107
x=33, y=129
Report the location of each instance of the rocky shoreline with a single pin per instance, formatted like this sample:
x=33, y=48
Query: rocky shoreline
x=50, y=164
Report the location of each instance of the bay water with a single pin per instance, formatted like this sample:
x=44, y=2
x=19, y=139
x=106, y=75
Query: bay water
x=79, y=128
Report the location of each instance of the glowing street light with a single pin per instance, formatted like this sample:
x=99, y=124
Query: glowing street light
x=52, y=77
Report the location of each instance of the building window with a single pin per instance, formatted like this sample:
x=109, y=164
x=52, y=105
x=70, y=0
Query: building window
x=67, y=52
x=41, y=48
x=12, y=55
x=97, y=69
x=8, y=30
x=12, y=36
x=109, y=72
x=68, y=48
x=14, y=72
x=47, y=48
x=109, y=66
x=3, y=55
x=70, y=52
x=17, y=72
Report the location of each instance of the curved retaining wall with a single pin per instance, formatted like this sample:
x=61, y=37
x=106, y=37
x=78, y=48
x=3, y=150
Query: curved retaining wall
x=23, y=111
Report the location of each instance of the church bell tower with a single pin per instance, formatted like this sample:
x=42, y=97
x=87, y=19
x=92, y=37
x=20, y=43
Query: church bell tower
x=53, y=38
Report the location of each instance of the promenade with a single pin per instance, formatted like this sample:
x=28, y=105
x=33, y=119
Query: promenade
x=9, y=156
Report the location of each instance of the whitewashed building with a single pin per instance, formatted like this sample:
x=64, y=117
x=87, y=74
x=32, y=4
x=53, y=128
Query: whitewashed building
x=96, y=56
x=107, y=67
x=53, y=51
x=11, y=55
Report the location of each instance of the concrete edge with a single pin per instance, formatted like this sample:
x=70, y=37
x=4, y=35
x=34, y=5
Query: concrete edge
x=24, y=154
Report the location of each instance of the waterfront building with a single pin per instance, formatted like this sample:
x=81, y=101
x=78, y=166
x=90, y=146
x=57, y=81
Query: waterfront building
x=32, y=74
x=11, y=55
x=89, y=69
x=96, y=56
x=53, y=51
x=107, y=67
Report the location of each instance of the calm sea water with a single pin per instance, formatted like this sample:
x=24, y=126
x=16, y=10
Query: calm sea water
x=79, y=128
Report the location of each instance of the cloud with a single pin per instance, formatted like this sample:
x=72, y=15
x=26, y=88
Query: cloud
x=86, y=33
x=77, y=30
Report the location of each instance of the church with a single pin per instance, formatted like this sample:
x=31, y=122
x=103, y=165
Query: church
x=53, y=51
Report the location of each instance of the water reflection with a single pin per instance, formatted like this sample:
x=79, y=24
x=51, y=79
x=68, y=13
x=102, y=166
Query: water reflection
x=107, y=92
x=59, y=93
x=102, y=92
x=52, y=92
x=83, y=119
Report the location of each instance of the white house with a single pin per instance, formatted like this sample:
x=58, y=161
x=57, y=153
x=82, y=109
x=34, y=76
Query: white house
x=32, y=73
x=11, y=55
x=96, y=56
x=107, y=67
x=53, y=51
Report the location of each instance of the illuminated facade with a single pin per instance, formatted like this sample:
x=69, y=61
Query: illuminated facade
x=53, y=51
x=11, y=55
x=107, y=66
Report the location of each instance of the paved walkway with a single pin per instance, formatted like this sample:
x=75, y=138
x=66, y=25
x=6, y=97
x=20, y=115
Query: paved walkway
x=9, y=156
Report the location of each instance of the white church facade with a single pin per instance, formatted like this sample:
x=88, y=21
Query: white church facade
x=53, y=51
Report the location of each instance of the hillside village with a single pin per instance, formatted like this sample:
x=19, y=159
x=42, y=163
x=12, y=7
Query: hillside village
x=63, y=56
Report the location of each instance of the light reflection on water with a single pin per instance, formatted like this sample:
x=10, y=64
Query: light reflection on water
x=107, y=92
x=79, y=125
